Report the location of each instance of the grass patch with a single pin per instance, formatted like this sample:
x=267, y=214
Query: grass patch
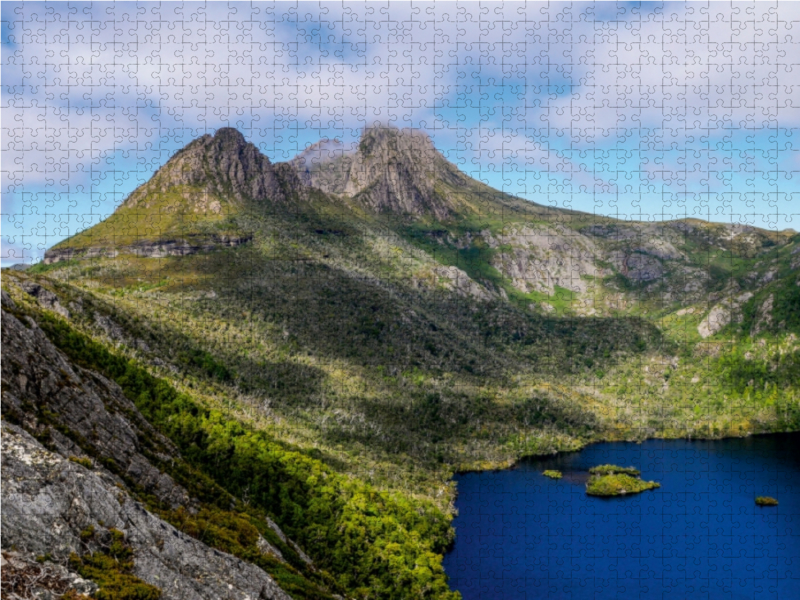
x=111, y=568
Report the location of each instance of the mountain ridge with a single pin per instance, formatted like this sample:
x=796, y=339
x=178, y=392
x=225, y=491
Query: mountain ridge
x=362, y=348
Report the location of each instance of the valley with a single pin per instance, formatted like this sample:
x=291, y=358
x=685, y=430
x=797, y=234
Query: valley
x=363, y=323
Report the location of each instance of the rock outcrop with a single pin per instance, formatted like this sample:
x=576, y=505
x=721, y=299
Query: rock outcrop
x=391, y=170
x=47, y=394
x=722, y=314
x=160, y=248
x=99, y=447
x=544, y=257
x=222, y=166
x=48, y=501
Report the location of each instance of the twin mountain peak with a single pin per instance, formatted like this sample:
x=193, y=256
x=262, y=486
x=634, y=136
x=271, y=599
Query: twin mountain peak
x=389, y=170
x=221, y=191
x=189, y=203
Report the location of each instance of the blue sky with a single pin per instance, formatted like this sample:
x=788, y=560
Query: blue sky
x=637, y=110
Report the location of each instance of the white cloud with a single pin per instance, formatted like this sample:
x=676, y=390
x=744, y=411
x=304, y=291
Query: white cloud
x=86, y=85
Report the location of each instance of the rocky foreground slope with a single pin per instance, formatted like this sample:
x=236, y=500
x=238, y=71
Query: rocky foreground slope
x=77, y=459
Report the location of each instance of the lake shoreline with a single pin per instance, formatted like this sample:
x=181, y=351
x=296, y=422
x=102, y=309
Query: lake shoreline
x=515, y=527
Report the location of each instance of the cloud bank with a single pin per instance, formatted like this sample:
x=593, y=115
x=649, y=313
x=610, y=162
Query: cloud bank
x=647, y=111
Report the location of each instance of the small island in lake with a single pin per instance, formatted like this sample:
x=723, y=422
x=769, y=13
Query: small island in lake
x=766, y=501
x=553, y=474
x=611, y=480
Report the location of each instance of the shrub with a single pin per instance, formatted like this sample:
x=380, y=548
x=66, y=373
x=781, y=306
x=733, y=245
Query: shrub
x=615, y=470
x=111, y=569
x=618, y=485
x=85, y=462
x=766, y=501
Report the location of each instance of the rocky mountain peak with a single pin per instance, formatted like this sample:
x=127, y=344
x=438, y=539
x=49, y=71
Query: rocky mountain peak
x=389, y=170
x=224, y=165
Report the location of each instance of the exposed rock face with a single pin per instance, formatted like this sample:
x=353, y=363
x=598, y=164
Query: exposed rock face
x=48, y=501
x=722, y=314
x=222, y=166
x=541, y=258
x=763, y=318
x=455, y=280
x=155, y=249
x=391, y=170
x=45, y=297
x=638, y=267
x=39, y=381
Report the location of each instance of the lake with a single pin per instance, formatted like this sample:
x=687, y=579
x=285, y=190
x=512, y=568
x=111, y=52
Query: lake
x=520, y=535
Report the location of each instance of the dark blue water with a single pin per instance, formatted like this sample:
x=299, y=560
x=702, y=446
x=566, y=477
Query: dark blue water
x=520, y=535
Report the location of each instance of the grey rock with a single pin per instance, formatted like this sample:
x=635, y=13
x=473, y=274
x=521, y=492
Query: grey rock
x=6, y=300
x=391, y=170
x=48, y=501
x=46, y=298
x=38, y=378
x=764, y=315
x=25, y=578
x=542, y=257
x=722, y=314
x=155, y=249
x=222, y=165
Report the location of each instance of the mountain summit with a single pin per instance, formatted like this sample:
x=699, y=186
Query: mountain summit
x=329, y=339
x=390, y=170
x=212, y=170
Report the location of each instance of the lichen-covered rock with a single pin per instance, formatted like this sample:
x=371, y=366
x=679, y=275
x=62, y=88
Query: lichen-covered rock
x=24, y=577
x=542, y=258
x=45, y=392
x=49, y=501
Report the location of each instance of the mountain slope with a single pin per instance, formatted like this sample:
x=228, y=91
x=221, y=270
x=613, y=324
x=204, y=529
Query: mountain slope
x=191, y=204
x=81, y=463
x=393, y=320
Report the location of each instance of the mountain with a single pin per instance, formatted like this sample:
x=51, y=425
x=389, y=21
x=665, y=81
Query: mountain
x=189, y=205
x=319, y=345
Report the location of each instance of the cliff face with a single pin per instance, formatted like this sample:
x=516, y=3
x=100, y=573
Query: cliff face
x=162, y=248
x=220, y=167
x=49, y=503
x=99, y=448
x=391, y=170
x=191, y=204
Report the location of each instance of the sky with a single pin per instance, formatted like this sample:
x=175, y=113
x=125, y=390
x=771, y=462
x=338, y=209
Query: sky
x=646, y=111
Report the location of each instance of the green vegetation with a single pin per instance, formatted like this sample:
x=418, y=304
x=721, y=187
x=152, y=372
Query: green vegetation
x=376, y=544
x=336, y=371
x=553, y=474
x=766, y=501
x=617, y=485
x=615, y=470
x=83, y=461
x=160, y=216
x=237, y=533
x=111, y=568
